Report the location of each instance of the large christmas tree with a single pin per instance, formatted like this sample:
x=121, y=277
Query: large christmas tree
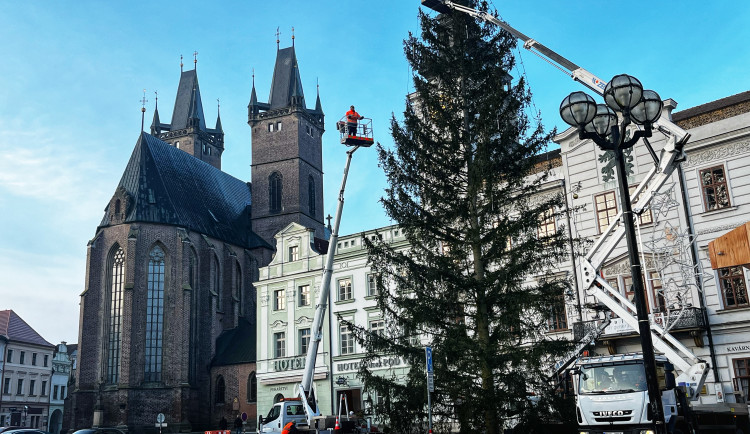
x=480, y=280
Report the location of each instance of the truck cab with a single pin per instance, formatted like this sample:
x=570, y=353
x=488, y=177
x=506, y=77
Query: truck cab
x=283, y=412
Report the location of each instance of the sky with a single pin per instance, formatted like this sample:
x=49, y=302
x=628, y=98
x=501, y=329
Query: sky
x=72, y=75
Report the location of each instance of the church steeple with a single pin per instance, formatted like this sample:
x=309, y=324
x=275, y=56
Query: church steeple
x=218, y=117
x=287, y=170
x=188, y=130
x=156, y=123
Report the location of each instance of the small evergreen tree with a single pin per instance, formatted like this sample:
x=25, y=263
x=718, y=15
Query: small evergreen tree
x=478, y=280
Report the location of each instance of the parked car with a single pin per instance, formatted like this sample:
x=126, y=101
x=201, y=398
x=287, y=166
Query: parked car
x=99, y=431
x=25, y=431
x=8, y=428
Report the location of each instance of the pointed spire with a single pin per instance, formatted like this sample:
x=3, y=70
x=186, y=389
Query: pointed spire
x=253, y=106
x=292, y=36
x=181, y=65
x=218, y=116
x=156, y=123
x=188, y=109
x=286, y=85
x=195, y=60
x=277, y=38
x=318, y=106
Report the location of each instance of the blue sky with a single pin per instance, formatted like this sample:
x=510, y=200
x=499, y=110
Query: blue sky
x=72, y=75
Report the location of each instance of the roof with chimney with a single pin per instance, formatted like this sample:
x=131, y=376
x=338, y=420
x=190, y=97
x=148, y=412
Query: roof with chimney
x=15, y=329
x=168, y=186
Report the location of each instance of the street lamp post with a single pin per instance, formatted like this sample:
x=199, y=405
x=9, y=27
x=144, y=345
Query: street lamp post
x=624, y=96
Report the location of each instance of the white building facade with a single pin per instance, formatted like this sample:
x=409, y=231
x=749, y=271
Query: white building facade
x=61, y=372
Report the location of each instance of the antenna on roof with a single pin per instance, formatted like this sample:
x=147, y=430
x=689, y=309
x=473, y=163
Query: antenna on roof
x=195, y=60
x=292, y=36
x=143, y=108
x=277, y=38
x=180, y=62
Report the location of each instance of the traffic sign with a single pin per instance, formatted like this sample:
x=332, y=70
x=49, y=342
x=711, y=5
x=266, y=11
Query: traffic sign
x=160, y=418
x=430, y=382
x=244, y=416
x=428, y=354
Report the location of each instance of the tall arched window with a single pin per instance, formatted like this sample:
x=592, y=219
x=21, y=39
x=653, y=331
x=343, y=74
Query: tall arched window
x=274, y=192
x=252, y=387
x=114, y=329
x=154, y=315
x=238, y=287
x=192, y=277
x=311, y=193
x=217, y=285
x=220, y=390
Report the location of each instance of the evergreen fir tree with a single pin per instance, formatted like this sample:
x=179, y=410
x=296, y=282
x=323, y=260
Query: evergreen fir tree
x=478, y=281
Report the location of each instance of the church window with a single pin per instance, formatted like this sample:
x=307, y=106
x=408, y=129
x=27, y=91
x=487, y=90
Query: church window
x=154, y=315
x=270, y=127
x=220, y=390
x=274, y=192
x=311, y=194
x=238, y=295
x=114, y=328
x=117, y=206
x=192, y=276
x=252, y=387
x=208, y=150
x=278, y=126
x=177, y=144
x=217, y=285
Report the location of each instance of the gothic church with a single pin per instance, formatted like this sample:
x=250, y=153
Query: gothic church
x=170, y=271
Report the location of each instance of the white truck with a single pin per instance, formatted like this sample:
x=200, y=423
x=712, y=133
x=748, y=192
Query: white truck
x=604, y=411
x=303, y=408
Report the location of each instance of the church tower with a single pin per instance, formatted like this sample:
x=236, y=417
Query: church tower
x=188, y=130
x=287, y=151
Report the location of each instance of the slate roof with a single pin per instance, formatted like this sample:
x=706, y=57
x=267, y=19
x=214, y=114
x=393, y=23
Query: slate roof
x=236, y=345
x=170, y=186
x=188, y=103
x=13, y=328
x=286, y=81
x=711, y=106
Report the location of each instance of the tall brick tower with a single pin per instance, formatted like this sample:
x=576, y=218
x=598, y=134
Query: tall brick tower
x=188, y=130
x=287, y=167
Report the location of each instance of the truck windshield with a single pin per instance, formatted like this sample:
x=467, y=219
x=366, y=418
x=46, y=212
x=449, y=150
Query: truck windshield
x=612, y=379
x=274, y=413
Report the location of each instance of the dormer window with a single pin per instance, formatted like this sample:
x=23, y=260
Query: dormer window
x=293, y=253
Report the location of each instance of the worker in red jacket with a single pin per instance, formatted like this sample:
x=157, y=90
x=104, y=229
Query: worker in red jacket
x=290, y=428
x=351, y=120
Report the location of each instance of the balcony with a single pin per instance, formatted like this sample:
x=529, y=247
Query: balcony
x=689, y=319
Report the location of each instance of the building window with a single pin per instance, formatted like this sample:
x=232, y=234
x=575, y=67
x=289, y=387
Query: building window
x=293, y=253
x=217, y=285
x=32, y=386
x=252, y=387
x=270, y=127
x=33, y=359
x=279, y=345
x=154, y=315
x=558, y=320
x=311, y=194
x=304, y=295
x=177, y=144
x=6, y=386
x=9, y=358
x=646, y=217
x=304, y=341
x=114, y=338
x=345, y=289
x=606, y=209
x=237, y=281
x=22, y=358
x=62, y=392
x=546, y=226
x=19, y=389
x=657, y=288
x=346, y=339
x=372, y=285
x=279, y=299
x=742, y=376
x=55, y=389
x=46, y=360
x=44, y=388
x=220, y=390
x=275, y=187
x=278, y=126
x=714, y=186
x=733, y=287
x=377, y=327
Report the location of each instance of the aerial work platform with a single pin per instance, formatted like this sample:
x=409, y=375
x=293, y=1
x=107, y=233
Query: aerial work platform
x=359, y=134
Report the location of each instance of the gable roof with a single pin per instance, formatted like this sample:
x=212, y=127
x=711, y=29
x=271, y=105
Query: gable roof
x=14, y=328
x=170, y=186
x=236, y=345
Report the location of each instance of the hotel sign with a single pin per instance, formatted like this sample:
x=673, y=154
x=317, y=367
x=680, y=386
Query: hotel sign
x=383, y=362
x=289, y=364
